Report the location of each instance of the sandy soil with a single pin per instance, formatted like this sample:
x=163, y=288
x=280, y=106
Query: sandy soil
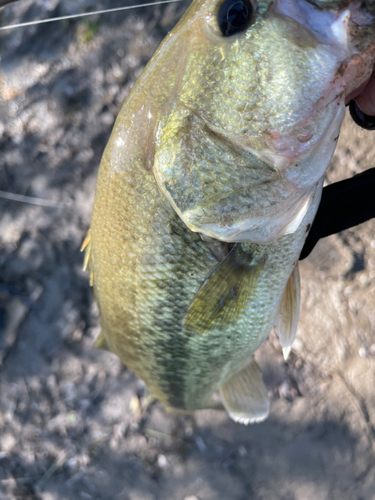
x=73, y=423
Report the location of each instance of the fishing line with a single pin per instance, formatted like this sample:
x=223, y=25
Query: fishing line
x=33, y=201
x=85, y=14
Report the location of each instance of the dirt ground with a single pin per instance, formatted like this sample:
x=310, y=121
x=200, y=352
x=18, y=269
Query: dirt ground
x=72, y=419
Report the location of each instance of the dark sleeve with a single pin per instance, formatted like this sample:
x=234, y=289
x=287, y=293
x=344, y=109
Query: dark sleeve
x=343, y=205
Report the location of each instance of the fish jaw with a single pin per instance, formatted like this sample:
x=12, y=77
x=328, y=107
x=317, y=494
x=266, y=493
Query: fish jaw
x=287, y=121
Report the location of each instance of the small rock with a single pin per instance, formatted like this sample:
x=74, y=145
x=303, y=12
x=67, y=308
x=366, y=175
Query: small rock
x=227, y=463
x=71, y=463
x=200, y=443
x=85, y=496
x=298, y=364
x=362, y=352
x=107, y=118
x=7, y=442
x=242, y=451
x=284, y=389
x=135, y=406
x=140, y=496
x=68, y=390
x=297, y=345
x=162, y=461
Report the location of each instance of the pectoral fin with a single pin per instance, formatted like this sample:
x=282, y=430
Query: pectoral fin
x=244, y=395
x=286, y=327
x=225, y=293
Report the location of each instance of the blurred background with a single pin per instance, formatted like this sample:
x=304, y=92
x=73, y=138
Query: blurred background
x=73, y=420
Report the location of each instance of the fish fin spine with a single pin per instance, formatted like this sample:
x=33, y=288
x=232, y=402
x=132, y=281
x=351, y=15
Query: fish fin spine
x=86, y=246
x=286, y=327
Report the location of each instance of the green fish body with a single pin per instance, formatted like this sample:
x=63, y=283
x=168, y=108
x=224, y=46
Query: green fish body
x=208, y=187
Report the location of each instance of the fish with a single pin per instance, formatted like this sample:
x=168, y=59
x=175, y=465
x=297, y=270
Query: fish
x=208, y=187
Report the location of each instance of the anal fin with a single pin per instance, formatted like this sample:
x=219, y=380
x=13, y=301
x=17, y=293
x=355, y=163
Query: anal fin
x=245, y=396
x=286, y=327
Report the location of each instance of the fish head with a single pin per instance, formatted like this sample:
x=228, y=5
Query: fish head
x=256, y=112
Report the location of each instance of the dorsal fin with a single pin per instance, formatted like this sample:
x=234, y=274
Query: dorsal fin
x=86, y=246
x=225, y=293
x=286, y=327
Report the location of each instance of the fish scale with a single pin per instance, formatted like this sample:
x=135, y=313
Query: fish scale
x=207, y=190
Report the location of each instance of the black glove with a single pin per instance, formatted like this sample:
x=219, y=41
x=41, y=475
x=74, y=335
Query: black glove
x=344, y=204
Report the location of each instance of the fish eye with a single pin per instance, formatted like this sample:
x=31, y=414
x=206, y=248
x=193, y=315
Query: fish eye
x=234, y=16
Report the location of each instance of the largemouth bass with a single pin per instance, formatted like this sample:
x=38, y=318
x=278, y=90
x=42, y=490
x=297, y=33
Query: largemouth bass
x=209, y=185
